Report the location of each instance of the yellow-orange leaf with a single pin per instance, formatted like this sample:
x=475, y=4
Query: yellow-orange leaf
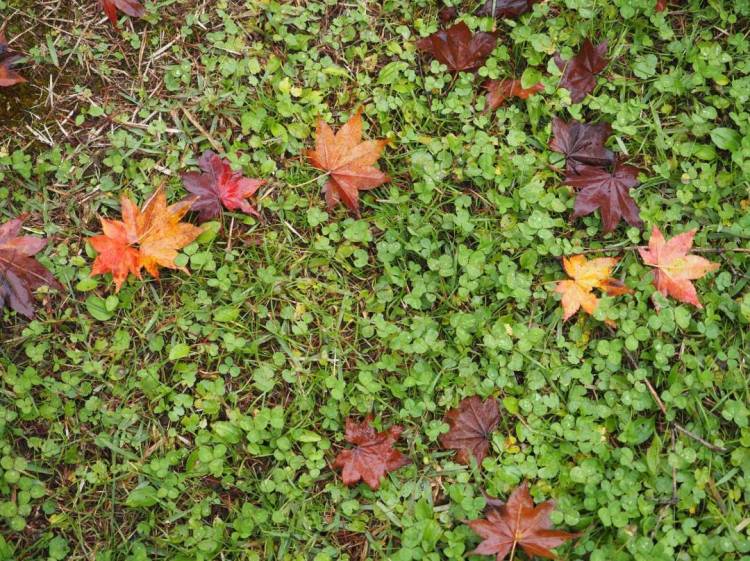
x=148, y=238
x=587, y=275
x=349, y=161
x=674, y=267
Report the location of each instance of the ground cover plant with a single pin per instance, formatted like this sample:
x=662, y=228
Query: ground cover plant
x=426, y=280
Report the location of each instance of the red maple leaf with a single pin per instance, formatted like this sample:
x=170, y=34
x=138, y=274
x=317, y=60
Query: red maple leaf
x=471, y=425
x=500, y=90
x=608, y=191
x=507, y=9
x=579, y=73
x=219, y=186
x=133, y=8
x=674, y=267
x=20, y=272
x=458, y=48
x=8, y=76
x=518, y=523
x=582, y=143
x=373, y=455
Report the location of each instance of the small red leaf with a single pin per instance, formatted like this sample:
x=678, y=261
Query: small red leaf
x=500, y=90
x=20, y=272
x=661, y=5
x=458, y=48
x=607, y=191
x=471, y=426
x=579, y=73
x=507, y=9
x=373, y=455
x=8, y=76
x=133, y=8
x=518, y=523
x=219, y=186
x=582, y=143
x=674, y=267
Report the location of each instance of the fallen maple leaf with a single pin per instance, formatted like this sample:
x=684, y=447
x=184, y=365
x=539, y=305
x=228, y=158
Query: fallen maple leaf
x=607, y=191
x=500, y=90
x=579, y=73
x=506, y=8
x=587, y=275
x=219, y=185
x=142, y=239
x=674, y=267
x=348, y=160
x=581, y=143
x=20, y=272
x=8, y=76
x=518, y=523
x=458, y=48
x=471, y=425
x=132, y=8
x=374, y=455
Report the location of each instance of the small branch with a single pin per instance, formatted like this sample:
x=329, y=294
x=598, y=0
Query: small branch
x=663, y=409
x=216, y=146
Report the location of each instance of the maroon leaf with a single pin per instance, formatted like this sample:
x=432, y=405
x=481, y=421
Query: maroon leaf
x=518, y=523
x=471, y=425
x=661, y=5
x=507, y=9
x=458, y=48
x=219, y=185
x=8, y=76
x=582, y=143
x=447, y=14
x=607, y=191
x=373, y=456
x=20, y=273
x=500, y=90
x=133, y=8
x=579, y=73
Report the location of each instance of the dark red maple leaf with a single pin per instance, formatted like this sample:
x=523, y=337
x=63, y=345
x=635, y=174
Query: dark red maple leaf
x=500, y=90
x=518, y=523
x=471, y=425
x=20, y=272
x=608, y=191
x=219, y=186
x=373, y=456
x=579, y=73
x=458, y=48
x=506, y=8
x=582, y=143
x=133, y=8
x=8, y=76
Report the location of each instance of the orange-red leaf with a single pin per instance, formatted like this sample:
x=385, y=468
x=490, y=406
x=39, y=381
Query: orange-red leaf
x=146, y=239
x=500, y=90
x=458, y=48
x=471, y=425
x=661, y=5
x=675, y=268
x=519, y=523
x=20, y=272
x=587, y=275
x=373, y=455
x=8, y=76
x=132, y=8
x=349, y=161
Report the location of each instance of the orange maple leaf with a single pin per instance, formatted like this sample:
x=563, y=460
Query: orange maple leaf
x=674, y=268
x=349, y=162
x=142, y=239
x=587, y=275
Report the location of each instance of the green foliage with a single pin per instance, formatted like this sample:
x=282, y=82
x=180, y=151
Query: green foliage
x=195, y=417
